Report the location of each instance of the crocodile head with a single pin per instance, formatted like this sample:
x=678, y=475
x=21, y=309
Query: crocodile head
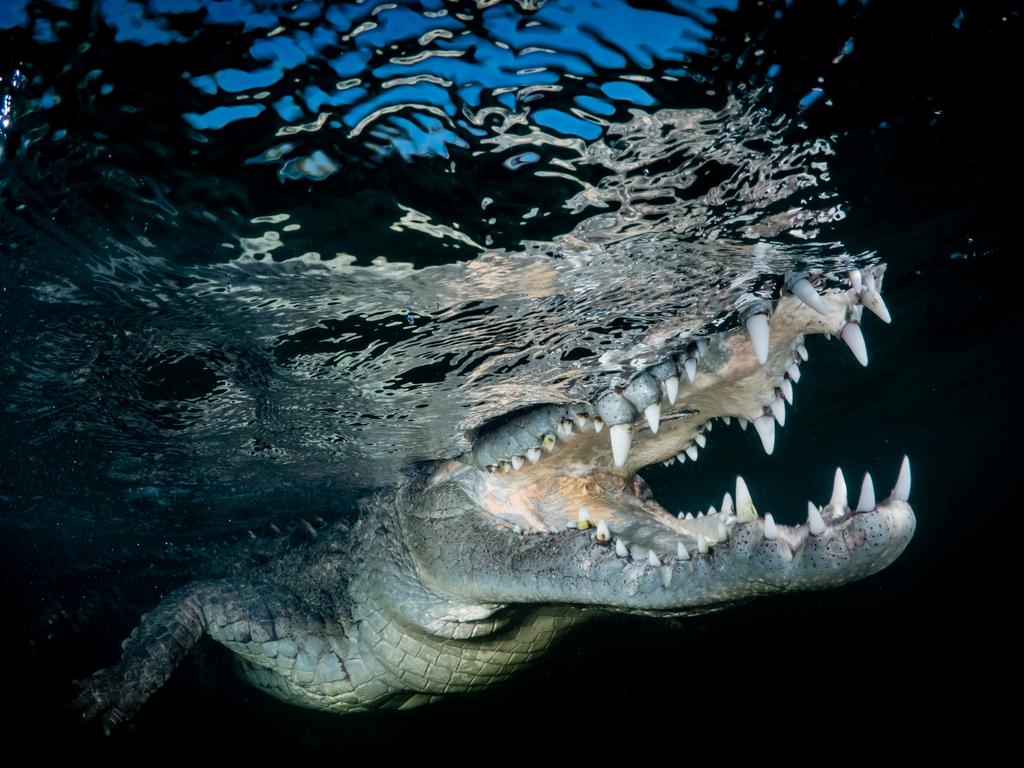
x=550, y=505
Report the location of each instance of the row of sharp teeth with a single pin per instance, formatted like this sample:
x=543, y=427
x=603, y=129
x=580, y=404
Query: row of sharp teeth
x=643, y=394
x=743, y=511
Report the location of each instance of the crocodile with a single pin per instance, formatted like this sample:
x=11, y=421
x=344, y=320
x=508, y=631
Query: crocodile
x=473, y=566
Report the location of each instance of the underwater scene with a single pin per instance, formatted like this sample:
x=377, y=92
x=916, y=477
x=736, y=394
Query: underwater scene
x=434, y=377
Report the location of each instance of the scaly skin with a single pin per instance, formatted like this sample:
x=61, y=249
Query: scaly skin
x=470, y=571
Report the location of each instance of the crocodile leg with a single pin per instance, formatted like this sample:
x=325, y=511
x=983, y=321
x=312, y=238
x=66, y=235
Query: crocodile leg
x=266, y=624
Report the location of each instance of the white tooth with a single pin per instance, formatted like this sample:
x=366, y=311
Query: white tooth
x=814, y=521
x=598, y=424
x=583, y=516
x=855, y=280
x=701, y=440
x=680, y=516
x=622, y=438
x=690, y=366
x=681, y=458
x=804, y=291
x=666, y=576
x=727, y=420
x=702, y=347
x=672, y=388
x=779, y=411
x=581, y=420
x=745, y=510
x=867, y=495
x=708, y=426
x=902, y=489
x=564, y=428
x=652, y=559
x=720, y=531
x=802, y=351
x=742, y=423
x=727, y=508
x=653, y=414
x=786, y=387
x=770, y=531
x=712, y=510
x=533, y=454
x=691, y=451
x=765, y=426
x=700, y=515
x=689, y=515
x=793, y=372
x=838, y=491
x=681, y=552
x=620, y=548
x=702, y=545
x=669, y=462
x=872, y=299
x=757, y=327
x=517, y=462
x=854, y=339
x=603, y=534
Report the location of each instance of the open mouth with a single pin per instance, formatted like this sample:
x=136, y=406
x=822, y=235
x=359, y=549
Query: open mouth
x=570, y=468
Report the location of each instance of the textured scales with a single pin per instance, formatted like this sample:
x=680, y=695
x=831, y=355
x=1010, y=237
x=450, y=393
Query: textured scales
x=474, y=567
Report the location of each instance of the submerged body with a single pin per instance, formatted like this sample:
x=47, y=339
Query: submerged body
x=470, y=570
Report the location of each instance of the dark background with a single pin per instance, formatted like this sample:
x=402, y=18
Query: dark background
x=920, y=653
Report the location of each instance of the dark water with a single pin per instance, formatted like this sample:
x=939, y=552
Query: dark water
x=259, y=257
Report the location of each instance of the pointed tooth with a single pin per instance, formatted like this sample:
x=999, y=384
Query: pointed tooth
x=669, y=461
x=867, y=494
x=653, y=414
x=517, y=462
x=533, y=454
x=702, y=347
x=786, y=388
x=745, y=510
x=727, y=507
x=603, y=534
x=689, y=515
x=721, y=532
x=742, y=422
x=727, y=420
x=581, y=420
x=902, y=489
x=702, y=544
x=804, y=291
x=854, y=339
x=700, y=515
x=583, y=520
x=672, y=389
x=855, y=280
x=700, y=440
x=793, y=372
x=598, y=424
x=691, y=451
x=622, y=438
x=708, y=425
x=802, y=351
x=564, y=428
x=872, y=299
x=757, y=327
x=681, y=458
x=765, y=426
x=548, y=442
x=814, y=521
x=690, y=366
x=621, y=549
x=779, y=411
x=681, y=553
x=771, y=532
x=838, y=491
x=712, y=510
x=666, y=576
x=652, y=559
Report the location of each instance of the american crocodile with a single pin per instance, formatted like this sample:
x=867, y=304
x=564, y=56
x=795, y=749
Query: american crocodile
x=475, y=565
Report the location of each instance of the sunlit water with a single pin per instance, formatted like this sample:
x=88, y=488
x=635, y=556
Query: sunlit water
x=259, y=257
